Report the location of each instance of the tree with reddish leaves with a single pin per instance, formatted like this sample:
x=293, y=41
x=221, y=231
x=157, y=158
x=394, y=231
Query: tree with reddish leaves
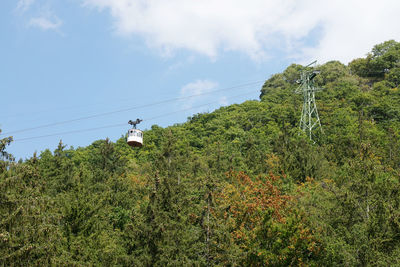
x=264, y=227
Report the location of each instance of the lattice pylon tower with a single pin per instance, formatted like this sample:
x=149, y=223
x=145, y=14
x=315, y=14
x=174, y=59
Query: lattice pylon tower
x=309, y=120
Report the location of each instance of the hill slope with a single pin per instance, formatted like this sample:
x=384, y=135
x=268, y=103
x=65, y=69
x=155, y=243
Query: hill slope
x=239, y=186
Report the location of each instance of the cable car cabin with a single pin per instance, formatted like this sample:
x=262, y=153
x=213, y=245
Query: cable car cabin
x=135, y=138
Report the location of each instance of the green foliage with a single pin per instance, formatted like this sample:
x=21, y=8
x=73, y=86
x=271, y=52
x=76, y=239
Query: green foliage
x=29, y=233
x=239, y=186
x=4, y=156
x=381, y=60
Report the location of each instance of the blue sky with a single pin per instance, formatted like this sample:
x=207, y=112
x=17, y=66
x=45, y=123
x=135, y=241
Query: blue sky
x=63, y=60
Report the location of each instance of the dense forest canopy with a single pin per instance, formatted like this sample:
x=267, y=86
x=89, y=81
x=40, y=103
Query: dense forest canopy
x=239, y=186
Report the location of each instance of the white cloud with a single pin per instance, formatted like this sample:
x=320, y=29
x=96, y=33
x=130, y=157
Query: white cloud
x=24, y=5
x=40, y=16
x=46, y=23
x=345, y=28
x=196, y=89
x=352, y=28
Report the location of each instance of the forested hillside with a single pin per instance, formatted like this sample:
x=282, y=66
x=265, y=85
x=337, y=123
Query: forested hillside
x=241, y=186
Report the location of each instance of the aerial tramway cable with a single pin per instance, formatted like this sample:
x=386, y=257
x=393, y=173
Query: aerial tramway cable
x=123, y=124
x=126, y=109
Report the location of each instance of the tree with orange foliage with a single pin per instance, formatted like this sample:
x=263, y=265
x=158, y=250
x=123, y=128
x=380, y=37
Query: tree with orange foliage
x=263, y=226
